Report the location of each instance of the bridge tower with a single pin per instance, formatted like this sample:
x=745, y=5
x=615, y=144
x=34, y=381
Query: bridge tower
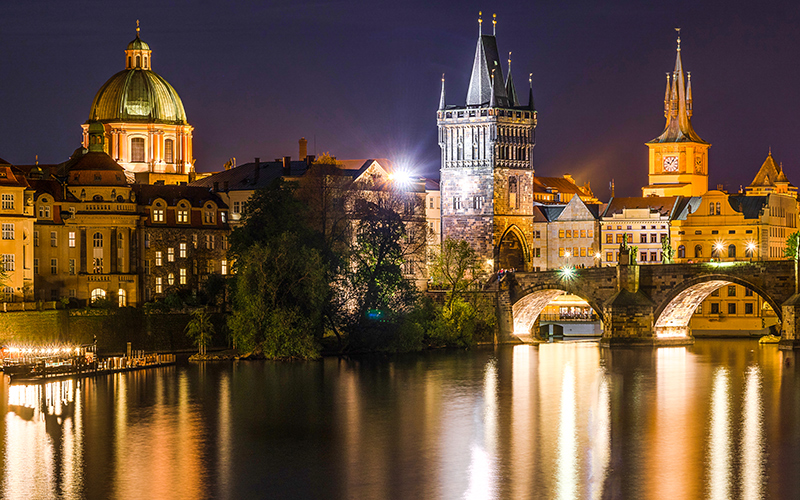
x=487, y=163
x=678, y=157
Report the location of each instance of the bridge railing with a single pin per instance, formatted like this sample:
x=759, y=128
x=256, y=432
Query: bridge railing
x=568, y=318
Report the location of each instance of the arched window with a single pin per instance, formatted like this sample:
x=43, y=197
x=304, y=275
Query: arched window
x=138, y=61
x=97, y=240
x=97, y=253
x=171, y=279
x=97, y=294
x=682, y=252
x=122, y=295
x=169, y=151
x=718, y=209
x=711, y=208
x=698, y=251
x=129, y=61
x=137, y=150
x=513, y=192
x=732, y=251
x=119, y=241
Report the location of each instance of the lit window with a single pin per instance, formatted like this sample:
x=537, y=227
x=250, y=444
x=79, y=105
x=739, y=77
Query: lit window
x=8, y=231
x=224, y=242
x=224, y=266
x=158, y=285
x=158, y=213
x=170, y=254
x=72, y=239
x=194, y=241
x=137, y=150
x=223, y=217
x=170, y=279
x=169, y=151
x=182, y=251
x=158, y=258
x=208, y=216
x=237, y=205
x=183, y=215
x=97, y=265
x=8, y=201
x=97, y=294
x=8, y=262
x=122, y=296
x=183, y=276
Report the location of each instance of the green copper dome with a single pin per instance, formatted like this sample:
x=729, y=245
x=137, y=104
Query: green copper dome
x=137, y=95
x=138, y=44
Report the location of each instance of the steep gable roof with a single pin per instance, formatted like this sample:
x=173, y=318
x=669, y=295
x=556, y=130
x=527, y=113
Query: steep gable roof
x=767, y=174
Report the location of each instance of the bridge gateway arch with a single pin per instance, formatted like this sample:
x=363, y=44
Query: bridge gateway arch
x=647, y=305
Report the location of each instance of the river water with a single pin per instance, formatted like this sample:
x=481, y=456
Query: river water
x=720, y=419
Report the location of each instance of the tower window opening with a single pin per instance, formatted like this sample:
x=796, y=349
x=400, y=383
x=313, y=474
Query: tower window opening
x=169, y=151
x=138, y=62
x=137, y=150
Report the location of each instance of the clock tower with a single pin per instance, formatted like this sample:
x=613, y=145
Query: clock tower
x=678, y=157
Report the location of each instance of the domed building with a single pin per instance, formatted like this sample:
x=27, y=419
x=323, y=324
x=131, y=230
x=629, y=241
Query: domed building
x=145, y=124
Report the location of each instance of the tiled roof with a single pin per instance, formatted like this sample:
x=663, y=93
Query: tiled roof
x=664, y=205
x=172, y=194
x=749, y=206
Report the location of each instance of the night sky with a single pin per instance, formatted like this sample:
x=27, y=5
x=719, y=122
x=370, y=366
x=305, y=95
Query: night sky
x=361, y=79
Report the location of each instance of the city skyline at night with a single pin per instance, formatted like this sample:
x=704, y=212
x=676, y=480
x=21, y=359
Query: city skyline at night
x=362, y=80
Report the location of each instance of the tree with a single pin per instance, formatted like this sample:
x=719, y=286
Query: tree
x=457, y=265
x=792, y=251
x=667, y=252
x=374, y=287
x=280, y=284
x=200, y=329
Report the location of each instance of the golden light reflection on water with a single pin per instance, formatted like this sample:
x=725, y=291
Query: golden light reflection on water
x=567, y=463
x=719, y=438
x=482, y=467
x=752, y=444
x=522, y=442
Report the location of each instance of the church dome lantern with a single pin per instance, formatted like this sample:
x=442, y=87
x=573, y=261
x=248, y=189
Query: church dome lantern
x=144, y=121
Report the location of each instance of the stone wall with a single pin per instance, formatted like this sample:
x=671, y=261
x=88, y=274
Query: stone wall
x=112, y=328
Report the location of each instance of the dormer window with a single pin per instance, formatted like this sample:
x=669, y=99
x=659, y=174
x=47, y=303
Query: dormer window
x=208, y=215
x=158, y=212
x=183, y=213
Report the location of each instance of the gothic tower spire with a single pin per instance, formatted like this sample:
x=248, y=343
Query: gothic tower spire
x=511, y=91
x=441, y=97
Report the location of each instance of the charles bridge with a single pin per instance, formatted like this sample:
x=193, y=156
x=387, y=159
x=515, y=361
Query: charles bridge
x=646, y=305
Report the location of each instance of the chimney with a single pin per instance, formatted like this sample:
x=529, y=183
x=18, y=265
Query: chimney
x=287, y=165
x=258, y=170
x=303, y=148
x=216, y=186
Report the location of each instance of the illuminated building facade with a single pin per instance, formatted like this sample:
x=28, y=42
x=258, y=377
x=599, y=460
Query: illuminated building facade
x=16, y=220
x=565, y=235
x=678, y=157
x=646, y=222
x=145, y=124
x=95, y=235
x=486, y=174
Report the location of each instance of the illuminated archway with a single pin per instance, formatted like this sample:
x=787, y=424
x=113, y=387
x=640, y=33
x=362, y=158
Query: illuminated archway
x=527, y=309
x=512, y=252
x=675, y=313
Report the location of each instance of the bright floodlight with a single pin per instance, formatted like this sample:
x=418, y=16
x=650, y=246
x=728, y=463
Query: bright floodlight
x=567, y=253
x=400, y=177
x=719, y=246
x=751, y=247
x=597, y=255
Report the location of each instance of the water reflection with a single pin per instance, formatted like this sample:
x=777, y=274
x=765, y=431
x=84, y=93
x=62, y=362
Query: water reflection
x=719, y=470
x=568, y=420
x=752, y=437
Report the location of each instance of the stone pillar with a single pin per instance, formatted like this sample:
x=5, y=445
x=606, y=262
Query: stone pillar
x=505, y=315
x=790, y=329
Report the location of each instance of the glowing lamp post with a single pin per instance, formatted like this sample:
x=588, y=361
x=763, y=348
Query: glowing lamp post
x=751, y=250
x=598, y=258
x=718, y=246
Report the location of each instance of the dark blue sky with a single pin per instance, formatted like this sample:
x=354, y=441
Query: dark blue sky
x=361, y=79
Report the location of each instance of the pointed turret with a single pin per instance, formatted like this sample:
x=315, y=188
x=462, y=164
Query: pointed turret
x=667, y=98
x=531, y=105
x=441, y=97
x=767, y=174
x=511, y=91
x=678, y=106
x=485, y=62
x=493, y=99
x=689, y=94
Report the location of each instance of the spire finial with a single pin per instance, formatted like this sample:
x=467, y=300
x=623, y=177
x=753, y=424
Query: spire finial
x=509, y=61
x=137, y=28
x=679, y=38
x=480, y=23
x=494, y=24
x=37, y=159
x=530, y=80
x=442, y=77
x=770, y=151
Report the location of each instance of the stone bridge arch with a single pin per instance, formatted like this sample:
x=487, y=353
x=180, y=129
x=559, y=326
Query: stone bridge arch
x=531, y=302
x=674, y=311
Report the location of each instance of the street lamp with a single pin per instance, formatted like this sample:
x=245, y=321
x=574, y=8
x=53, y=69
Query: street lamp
x=751, y=250
x=598, y=257
x=718, y=246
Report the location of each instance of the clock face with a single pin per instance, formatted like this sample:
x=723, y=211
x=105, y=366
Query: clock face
x=670, y=164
